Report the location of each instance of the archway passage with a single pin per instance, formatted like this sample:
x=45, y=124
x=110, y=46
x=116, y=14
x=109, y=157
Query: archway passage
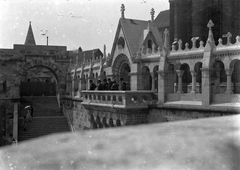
x=235, y=76
x=121, y=69
x=124, y=73
x=38, y=81
x=186, y=77
x=218, y=78
x=146, y=79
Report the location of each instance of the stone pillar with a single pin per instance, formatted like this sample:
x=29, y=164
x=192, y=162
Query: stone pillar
x=193, y=82
x=206, y=87
x=15, y=121
x=229, y=81
x=73, y=86
x=161, y=87
x=153, y=82
x=180, y=74
x=134, y=81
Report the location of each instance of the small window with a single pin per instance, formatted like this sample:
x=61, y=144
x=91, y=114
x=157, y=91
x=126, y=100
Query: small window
x=150, y=44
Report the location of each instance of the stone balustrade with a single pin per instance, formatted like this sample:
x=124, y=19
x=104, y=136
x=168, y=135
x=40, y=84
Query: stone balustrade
x=118, y=99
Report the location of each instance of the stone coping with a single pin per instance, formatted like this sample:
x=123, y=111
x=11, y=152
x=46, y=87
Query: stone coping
x=117, y=92
x=196, y=105
x=210, y=143
x=116, y=106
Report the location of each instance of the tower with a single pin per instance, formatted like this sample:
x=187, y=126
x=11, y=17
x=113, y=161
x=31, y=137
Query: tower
x=188, y=18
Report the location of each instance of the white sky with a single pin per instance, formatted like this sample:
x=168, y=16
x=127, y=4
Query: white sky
x=72, y=23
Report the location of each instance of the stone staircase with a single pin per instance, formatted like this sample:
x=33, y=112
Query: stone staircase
x=47, y=118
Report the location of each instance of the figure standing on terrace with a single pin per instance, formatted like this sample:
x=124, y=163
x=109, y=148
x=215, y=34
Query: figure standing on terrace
x=92, y=85
x=114, y=86
x=123, y=84
x=110, y=83
x=105, y=84
x=100, y=85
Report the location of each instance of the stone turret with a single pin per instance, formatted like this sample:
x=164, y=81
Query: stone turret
x=30, y=37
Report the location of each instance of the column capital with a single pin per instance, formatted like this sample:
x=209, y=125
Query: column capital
x=161, y=73
x=193, y=73
x=228, y=72
x=133, y=73
x=180, y=72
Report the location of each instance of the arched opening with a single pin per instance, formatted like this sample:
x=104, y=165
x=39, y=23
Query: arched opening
x=39, y=81
x=218, y=78
x=170, y=79
x=155, y=76
x=186, y=77
x=198, y=71
x=235, y=76
x=146, y=79
x=150, y=44
x=121, y=69
x=124, y=73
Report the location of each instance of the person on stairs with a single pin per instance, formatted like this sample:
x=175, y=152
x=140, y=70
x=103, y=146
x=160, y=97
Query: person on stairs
x=31, y=110
x=29, y=115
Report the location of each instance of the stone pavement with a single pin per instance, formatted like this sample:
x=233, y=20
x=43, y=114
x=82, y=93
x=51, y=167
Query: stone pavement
x=202, y=144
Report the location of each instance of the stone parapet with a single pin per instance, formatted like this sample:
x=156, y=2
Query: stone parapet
x=118, y=99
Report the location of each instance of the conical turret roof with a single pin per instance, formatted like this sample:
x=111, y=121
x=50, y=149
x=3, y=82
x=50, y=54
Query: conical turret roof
x=30, y=37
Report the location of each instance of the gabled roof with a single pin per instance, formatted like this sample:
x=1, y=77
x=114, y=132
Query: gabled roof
x=163, y=19
x=133, y=31
x=30, y=37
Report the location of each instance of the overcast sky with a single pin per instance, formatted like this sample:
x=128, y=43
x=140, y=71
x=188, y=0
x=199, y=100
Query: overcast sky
x=72, y=23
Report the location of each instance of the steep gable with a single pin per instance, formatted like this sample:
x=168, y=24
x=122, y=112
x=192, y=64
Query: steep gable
x=135, y=33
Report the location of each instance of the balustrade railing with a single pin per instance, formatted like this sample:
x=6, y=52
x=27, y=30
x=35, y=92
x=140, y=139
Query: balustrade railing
x=118, y=99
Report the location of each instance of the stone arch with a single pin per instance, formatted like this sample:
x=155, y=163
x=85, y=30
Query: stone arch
x=120, y=63
x=170, y=78
x=235, y=68
x=186, y=77
x=155, y=76
x=198, y=72
x=218, y=77
x=41, y=63
x=146, y=78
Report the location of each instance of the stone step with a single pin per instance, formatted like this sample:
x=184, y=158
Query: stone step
x=41, y=126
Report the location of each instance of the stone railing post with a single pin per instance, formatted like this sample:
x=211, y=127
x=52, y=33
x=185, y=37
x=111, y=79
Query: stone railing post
x=229, y=81
x=180, y=74
x=193, y=82
x=206, y=87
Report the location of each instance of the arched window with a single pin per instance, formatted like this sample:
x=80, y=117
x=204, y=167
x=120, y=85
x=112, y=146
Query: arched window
x=150, y=44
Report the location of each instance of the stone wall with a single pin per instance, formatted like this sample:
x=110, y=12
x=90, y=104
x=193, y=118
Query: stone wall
x=165, y=115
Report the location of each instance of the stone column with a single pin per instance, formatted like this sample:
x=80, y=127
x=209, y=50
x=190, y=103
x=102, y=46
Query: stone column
x=15, y=121
x=134, y=81
x=229, y=81
x=193, y=82
x=73, y=86
x=153, y=82
x=180, y=74
x=161, y=87
x=206, y=87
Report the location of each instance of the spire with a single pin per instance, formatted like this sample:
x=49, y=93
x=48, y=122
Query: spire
x=166, y=39
x=122, y=10
x=210, y=33
x=30, y=37
x=152, y=14
x=210, y=45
